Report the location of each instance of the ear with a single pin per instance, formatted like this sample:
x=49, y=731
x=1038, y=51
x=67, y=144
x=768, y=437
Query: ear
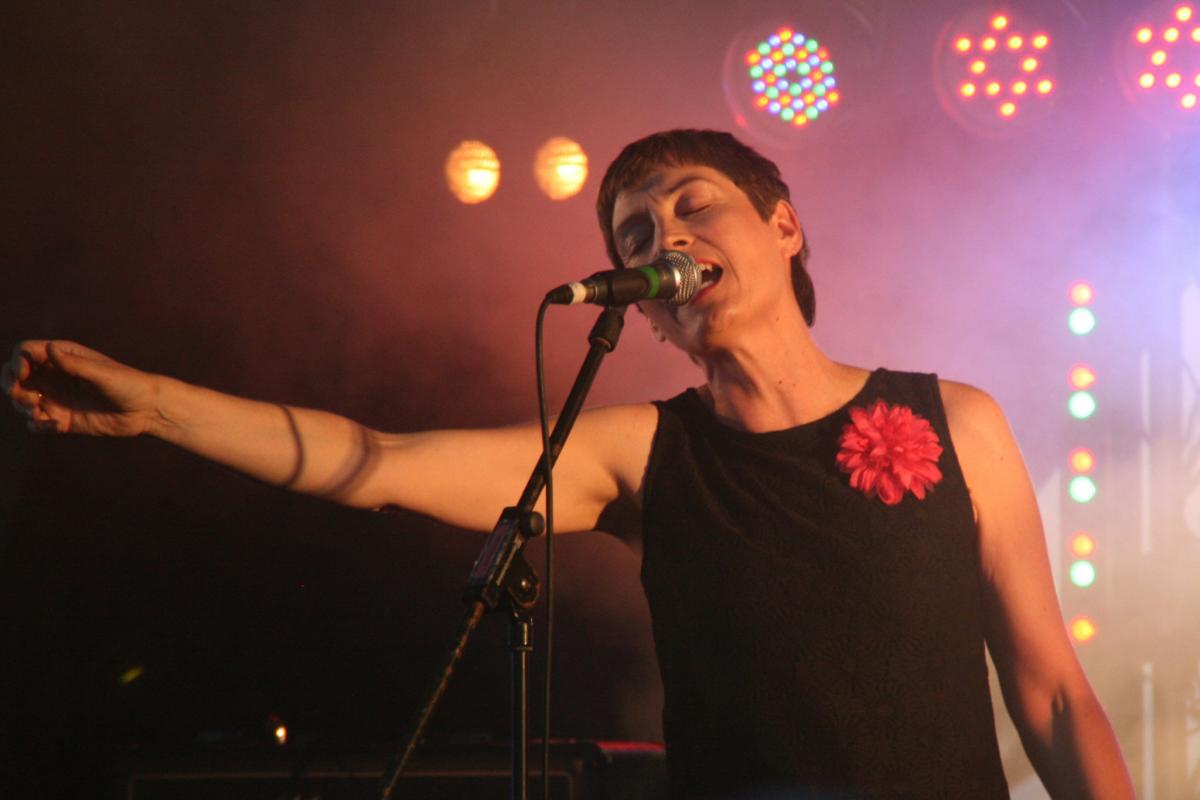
x=787, y=227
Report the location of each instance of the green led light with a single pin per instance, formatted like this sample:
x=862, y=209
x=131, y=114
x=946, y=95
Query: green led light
x=804, y=68
x=1082, y=489
x=780, y=70
x=827, y=67
x=1081, y=321
x=811, y=112
x=756, y=72
x=787, y=114
x=812, y=45
x=772, y=92
x=788, y=49
x=1081, y=405
x=764, y=48
x=1083, y=574
x=795, y=89
x=819, y=90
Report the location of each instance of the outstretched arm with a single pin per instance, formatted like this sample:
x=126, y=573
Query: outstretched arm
x=461, y=477
x=1064, y=730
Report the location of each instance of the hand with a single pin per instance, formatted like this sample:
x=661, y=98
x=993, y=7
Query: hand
x=65, y=387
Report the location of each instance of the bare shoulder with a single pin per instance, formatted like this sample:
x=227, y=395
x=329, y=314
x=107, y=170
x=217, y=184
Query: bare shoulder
x=977, y=423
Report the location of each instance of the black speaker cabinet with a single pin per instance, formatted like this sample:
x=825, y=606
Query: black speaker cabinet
x=578, y=771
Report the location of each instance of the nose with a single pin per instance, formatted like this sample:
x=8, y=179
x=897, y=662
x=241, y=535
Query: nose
x=676, y=239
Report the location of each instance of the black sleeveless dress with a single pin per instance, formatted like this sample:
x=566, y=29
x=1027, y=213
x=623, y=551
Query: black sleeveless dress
x=814, y=641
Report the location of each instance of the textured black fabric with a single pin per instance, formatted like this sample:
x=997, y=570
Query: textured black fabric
x=814, y=642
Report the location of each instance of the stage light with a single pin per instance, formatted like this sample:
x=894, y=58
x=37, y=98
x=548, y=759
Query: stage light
x=1082, y=460
x=1081, y=321
x=1157, y=59
x=1082, y=545
x=1083, y=574
x=472, y=171
x=1081, y=405
x=1083, y=630
x=1082, y=489
x=788, y=76
x=560, y=168
x=1082, y=293
x=132, y=674
x=1015, y=54
x=1081, y=377
x=281, y=735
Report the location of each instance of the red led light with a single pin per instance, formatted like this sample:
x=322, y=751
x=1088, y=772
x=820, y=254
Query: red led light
x=1082, y=376
x=1083, y=630
x=1082, y=545
x=963, y=44
x=1007, y=109
x=1082, y=460
x=1082, y=293
x=999, y=22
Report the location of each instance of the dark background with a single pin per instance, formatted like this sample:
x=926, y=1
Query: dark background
x=250, y=197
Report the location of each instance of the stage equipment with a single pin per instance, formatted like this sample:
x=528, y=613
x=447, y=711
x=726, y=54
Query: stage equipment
x=501, y=579
x=1158, y=63
x=785, y=76
x=560, y=168
x=673, y=277
x=996, y=71
x=472, y=172
x=578, y=770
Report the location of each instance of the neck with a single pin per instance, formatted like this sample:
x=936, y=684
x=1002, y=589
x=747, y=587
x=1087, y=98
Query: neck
x=775, y=377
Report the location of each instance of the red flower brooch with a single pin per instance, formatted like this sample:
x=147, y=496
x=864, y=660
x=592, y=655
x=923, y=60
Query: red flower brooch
x=889, y=450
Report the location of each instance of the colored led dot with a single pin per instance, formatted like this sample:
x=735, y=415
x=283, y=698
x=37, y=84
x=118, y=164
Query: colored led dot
x=1083, y=574
x=1082, y=545
x=1044, y=86
x=1173, y=80
x=773, y=40
x=798, y=39
x=1081, y=405
x=962, y=44
x=978, y=66
x=800, y=121
x=833, y=97
x=967, y=90
x=773, y=92
x=1029, y=64
x=1083, y=630
x=761, y=101
x=788, y=49
x=988, y=44
x=1196, y=34
x=812, y=46
x=1082, y=376
x=827, y=67
x=756, y=72
x=1146, y=80
x=811, y=112
x=1015, y=42
x=1081, y=321
x=787, y=114
x=1082, y=293
x=1183, y=13
x=1144, y=35
x=804, y=68
x=1171, y=35
x=790, y=63
x=993, y=89
x=1040, y=41
x=1158, y=58
x=1082, y=489
x=764, y=48
x=817, y=75
x=785, y=34
x=1188, y=101
x=1008, y=109
x=999, y=22
x=1082, y=460
x=1196, y=80
x=819, y=90
x=823, y=104
x=774, y=108
x=1020, y=87
x=752, y=57
x=822, y=54
x=795, y=89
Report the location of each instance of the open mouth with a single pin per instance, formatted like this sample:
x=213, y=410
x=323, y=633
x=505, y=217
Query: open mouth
x=710, y=274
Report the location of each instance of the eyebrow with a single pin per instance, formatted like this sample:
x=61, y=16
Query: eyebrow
x=636, y=217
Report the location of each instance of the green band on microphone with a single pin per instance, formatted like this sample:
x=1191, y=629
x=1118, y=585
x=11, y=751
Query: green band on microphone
x=652, y=276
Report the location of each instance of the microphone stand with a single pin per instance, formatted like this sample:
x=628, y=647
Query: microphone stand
x=502, y=580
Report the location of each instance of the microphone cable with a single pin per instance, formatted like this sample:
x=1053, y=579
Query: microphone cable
x=547, y=470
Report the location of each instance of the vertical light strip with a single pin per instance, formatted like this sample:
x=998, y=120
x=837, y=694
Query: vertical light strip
x=1144, y=457
x=1147, y=730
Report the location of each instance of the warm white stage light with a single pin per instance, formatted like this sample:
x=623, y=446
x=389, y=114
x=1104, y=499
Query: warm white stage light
x=560, y=168
x=473, y=171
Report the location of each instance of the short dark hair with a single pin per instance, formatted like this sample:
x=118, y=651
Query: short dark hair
x=754, y=174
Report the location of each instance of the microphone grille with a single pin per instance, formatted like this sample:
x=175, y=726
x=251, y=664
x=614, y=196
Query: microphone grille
x=689, y=275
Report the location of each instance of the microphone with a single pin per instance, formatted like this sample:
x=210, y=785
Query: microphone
x=673, y=277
